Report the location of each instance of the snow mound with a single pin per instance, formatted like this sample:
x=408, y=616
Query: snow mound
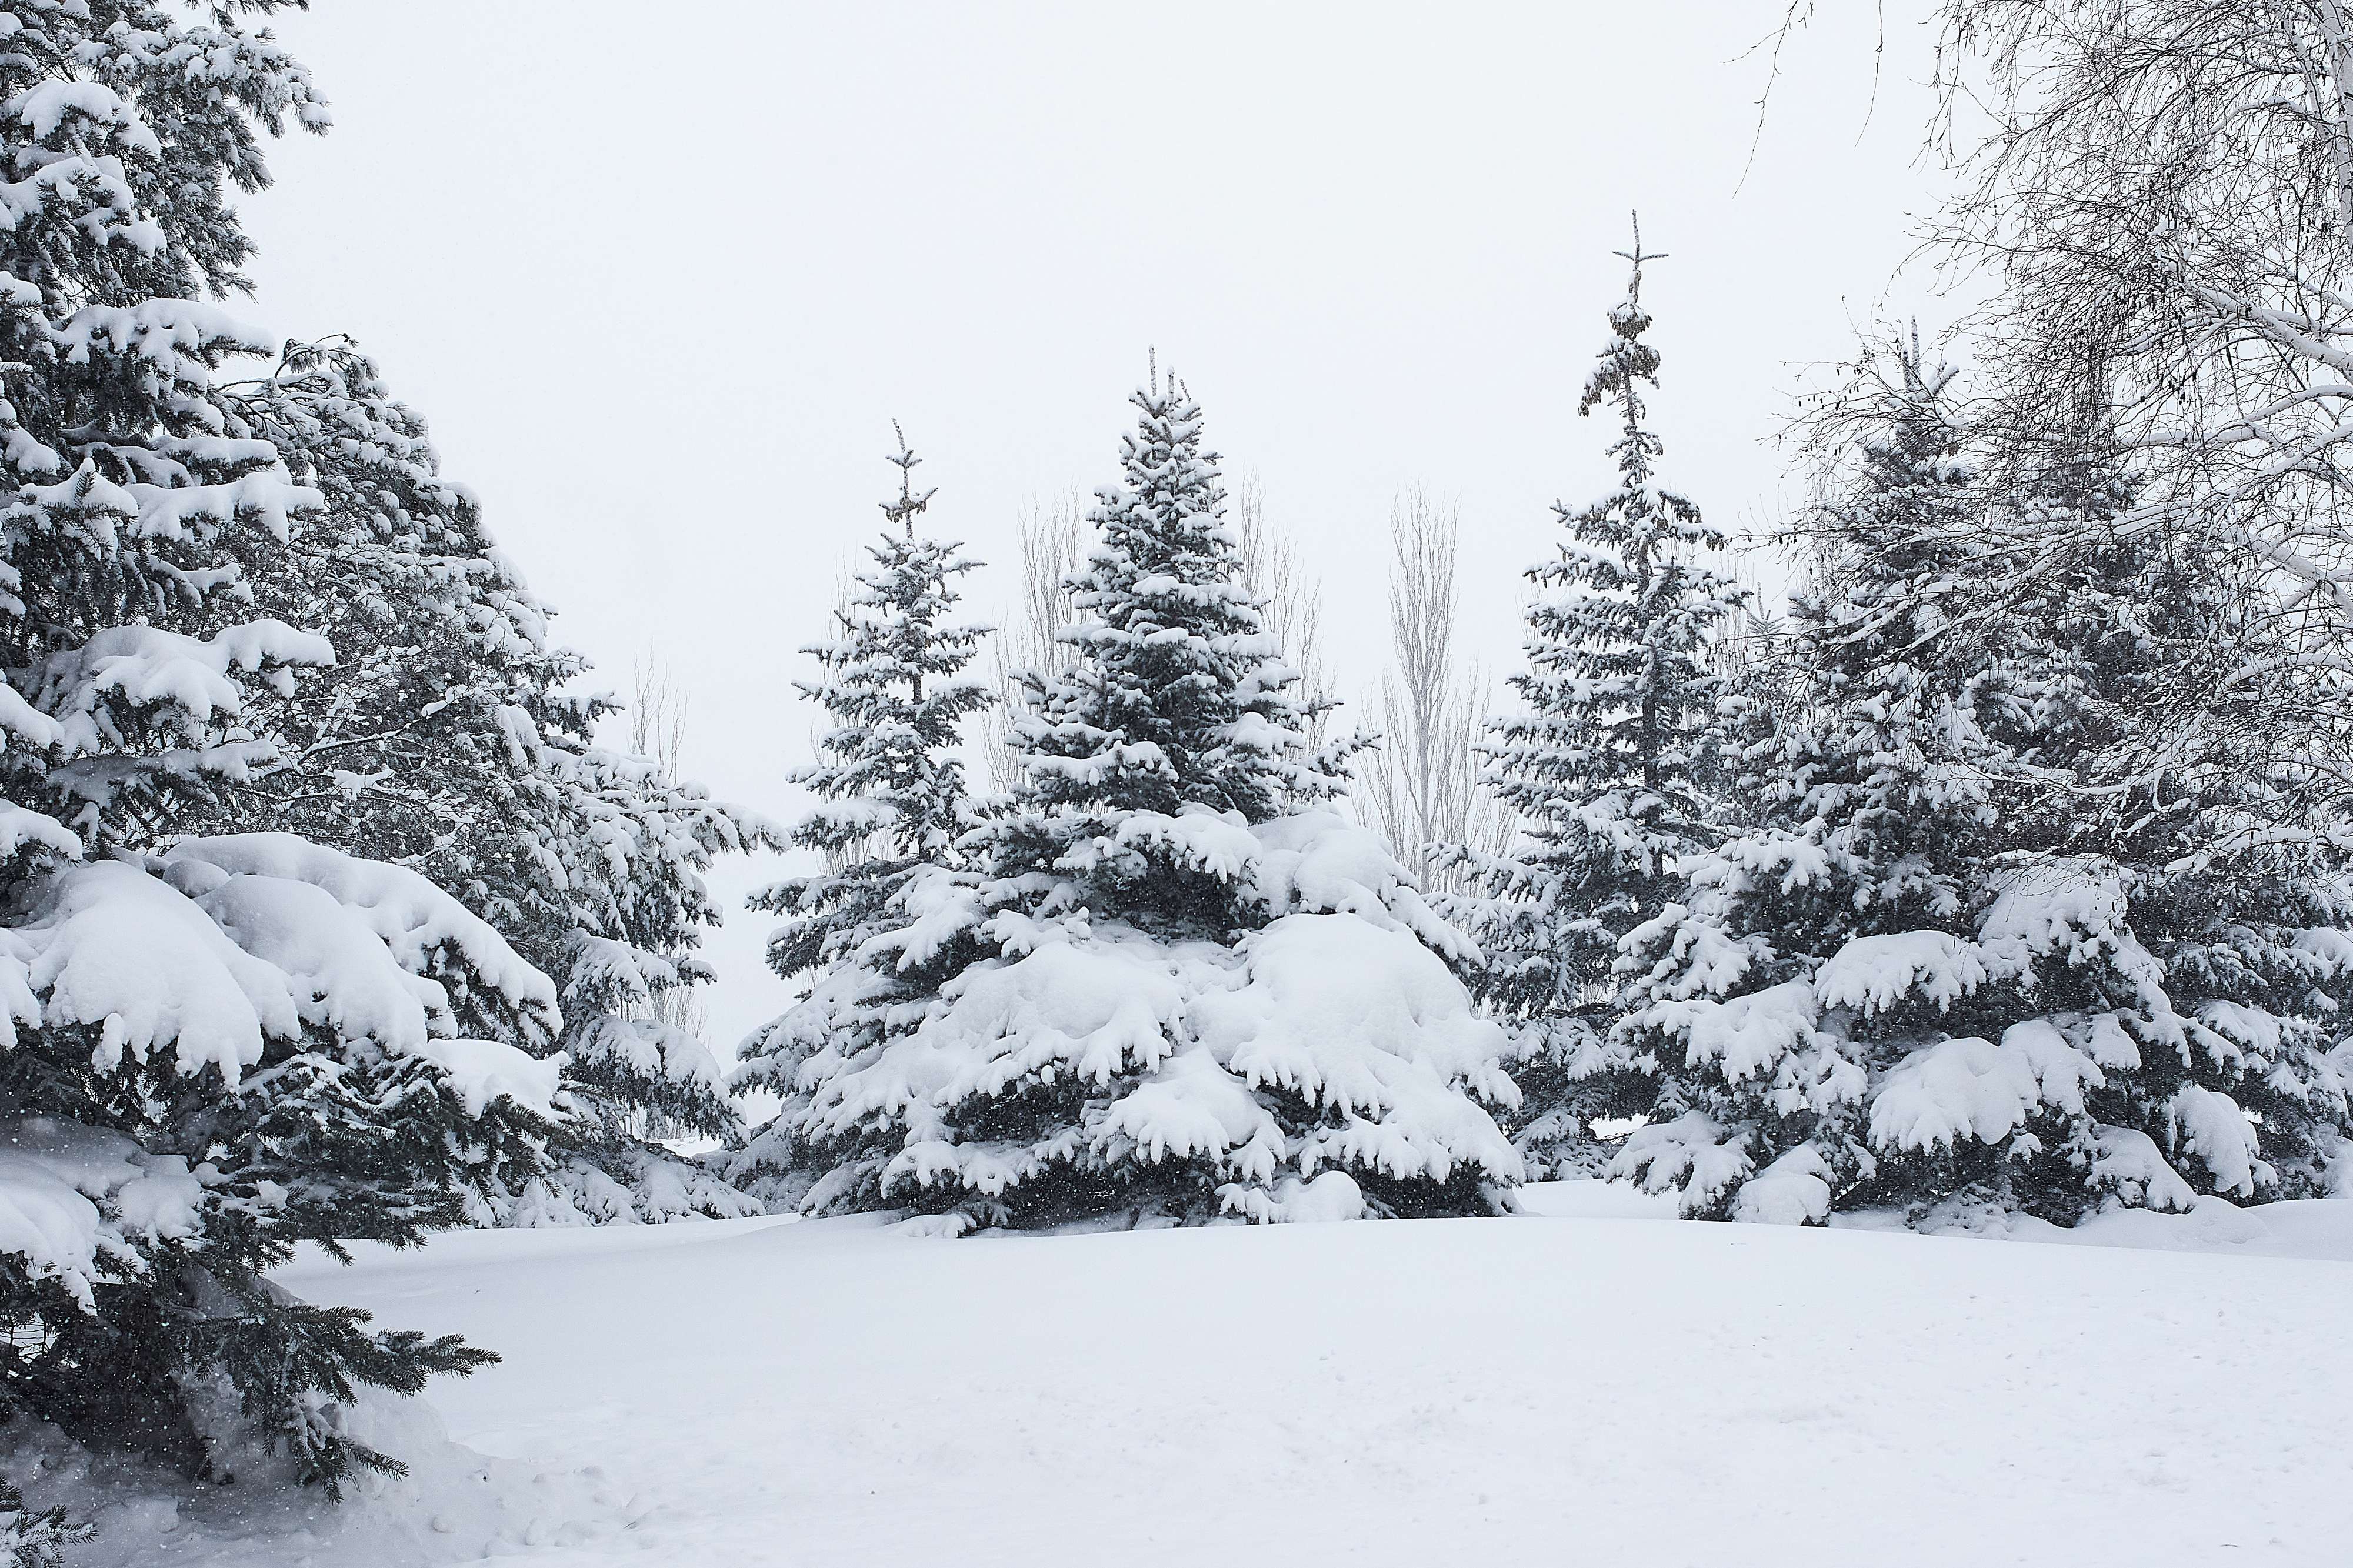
x=1872, y=974
x=141, y=667
x=1589, y=1199
x=1968, y=1087
x=422, y=926
x=480, y=1071
x=110, y=945
x=2305, y=1227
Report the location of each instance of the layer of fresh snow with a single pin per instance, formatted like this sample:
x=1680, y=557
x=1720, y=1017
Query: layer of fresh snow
x=1197, y=1051
x=53, y=1174
x=1589, y=1385
x=209, y=949
x=480, y=1071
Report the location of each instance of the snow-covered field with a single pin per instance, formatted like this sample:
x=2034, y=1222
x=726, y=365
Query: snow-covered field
x=1588, y=1385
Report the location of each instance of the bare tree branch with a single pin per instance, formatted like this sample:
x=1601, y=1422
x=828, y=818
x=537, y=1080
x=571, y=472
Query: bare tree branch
x=1293, y=604
x=658, y=716
x=1053, y=548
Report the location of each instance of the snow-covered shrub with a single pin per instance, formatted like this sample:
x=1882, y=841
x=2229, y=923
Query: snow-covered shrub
x=1608, y=765
x=1159, y=983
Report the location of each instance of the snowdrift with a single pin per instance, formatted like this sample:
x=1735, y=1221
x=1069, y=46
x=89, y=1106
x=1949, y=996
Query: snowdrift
x=1585, y=1385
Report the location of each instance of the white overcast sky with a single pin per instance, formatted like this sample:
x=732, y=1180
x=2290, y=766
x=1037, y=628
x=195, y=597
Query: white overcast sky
x=661, y=276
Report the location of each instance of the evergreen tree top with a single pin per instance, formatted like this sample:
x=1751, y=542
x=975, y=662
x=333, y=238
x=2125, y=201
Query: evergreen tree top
x=1900, y=533
x=1177, y=696
x=908, y=506
x=1626, y=361
x=893, y=681
x=132, y=123
x=1167, y=557
x=1608, y=765
x=1637, y=519
x=1913, y=476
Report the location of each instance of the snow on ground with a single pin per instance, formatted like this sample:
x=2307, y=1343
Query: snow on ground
x=1579, y=1386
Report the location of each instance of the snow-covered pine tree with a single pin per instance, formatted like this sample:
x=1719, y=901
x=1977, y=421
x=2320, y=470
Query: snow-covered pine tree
x=449, y=736
x=210, y=1047
x=400, y=745
x=892, y=809
x=2170, y=911
x=1185, y=1003
x=1610, y=765
x=1834, y=934
x=2032, y=917
x=619, y=905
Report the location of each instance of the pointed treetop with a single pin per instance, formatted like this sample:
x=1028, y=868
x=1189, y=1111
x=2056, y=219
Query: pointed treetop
x=909, y=505
x=1626, y=360
x=1638, y=256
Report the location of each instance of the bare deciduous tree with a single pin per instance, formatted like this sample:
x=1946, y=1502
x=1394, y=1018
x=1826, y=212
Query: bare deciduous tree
x=658, y=716
x=1421, y=787
x=1053, y=548
x=658, y=709
x=1292, y=602
x=2165, y=193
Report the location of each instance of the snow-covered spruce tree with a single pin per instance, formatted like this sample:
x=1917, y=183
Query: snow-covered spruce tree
x=210, y=1047
x=1188, y=999
x=2017, y=927
x=619, y=905
x=448, y=736
x=1610, y=765
x=1817, y=946
x=2172, y=910
x=892, y=809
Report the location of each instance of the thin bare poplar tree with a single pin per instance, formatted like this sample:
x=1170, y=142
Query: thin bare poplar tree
x=1291, y=601
x=1420, y=786
x=658, y=710
x=1053, y=548
x=658, y=716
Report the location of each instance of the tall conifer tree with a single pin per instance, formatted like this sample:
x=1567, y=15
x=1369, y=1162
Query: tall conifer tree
x=2188, y=954
x=211, y=1048
x=1835, y=931
x=449, y=736
x=1611, y=763
x=892, y=811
